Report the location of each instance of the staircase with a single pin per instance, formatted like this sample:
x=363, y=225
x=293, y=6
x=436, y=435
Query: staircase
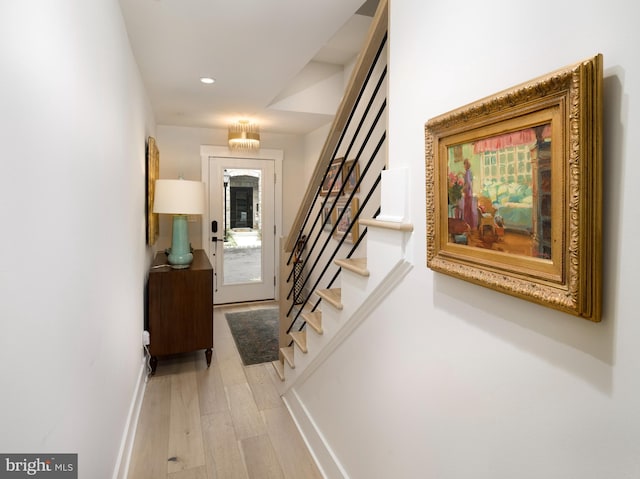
x=364, y=283
x=347, y=246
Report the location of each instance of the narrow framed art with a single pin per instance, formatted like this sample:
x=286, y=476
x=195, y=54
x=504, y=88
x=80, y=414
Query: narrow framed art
x=327, y=219
x=514, y=190
x=351, y=175
x=335, y=172
x=152, y=173
x=345, y=220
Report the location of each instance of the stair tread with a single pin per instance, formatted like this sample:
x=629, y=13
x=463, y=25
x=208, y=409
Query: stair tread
x=300, y=338
x=356, y=265
x=288, y=356
x=314, y=319
x=333, y=296
x=279, y=367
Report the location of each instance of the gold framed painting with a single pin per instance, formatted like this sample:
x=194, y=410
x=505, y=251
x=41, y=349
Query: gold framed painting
x=335, y=171
x=327, y=218
x=153, y=171
x=514, y=190
x=345, y=220
x=351, y=180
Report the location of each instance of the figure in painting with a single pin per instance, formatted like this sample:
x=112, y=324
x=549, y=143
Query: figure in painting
x=467, y=195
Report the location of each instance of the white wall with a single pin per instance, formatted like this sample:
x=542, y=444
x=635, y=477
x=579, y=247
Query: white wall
x=468, y=382
x=180, y=154
x=313, y=144
x=73, y=123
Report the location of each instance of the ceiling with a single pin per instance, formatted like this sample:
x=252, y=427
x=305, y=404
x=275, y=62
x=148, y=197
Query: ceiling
x=280, y=63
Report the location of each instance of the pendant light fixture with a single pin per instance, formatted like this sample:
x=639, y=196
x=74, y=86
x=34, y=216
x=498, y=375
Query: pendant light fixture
x=244, y=135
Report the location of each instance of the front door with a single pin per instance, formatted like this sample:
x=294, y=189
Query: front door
x=242, y=211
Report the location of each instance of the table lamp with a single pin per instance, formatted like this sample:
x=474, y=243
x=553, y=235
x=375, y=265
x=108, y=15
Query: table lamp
x=179, y=198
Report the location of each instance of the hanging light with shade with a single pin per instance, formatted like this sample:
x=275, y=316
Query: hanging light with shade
x=244, y=135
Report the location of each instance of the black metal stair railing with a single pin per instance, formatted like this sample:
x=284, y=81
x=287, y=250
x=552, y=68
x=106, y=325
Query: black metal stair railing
x=327, y=238
x=360, y=124
x=358, y=137
x=312, y=261
x=317, y=221
x=294, y=314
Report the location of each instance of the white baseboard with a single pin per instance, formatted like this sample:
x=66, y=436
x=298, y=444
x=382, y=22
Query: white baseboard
x=121, y=469
x=326, y=460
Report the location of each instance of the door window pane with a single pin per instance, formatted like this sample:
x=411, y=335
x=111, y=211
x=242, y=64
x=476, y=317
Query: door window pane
x=242, y=255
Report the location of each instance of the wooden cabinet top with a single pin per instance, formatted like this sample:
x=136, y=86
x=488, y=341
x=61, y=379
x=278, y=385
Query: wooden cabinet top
x=200, y=262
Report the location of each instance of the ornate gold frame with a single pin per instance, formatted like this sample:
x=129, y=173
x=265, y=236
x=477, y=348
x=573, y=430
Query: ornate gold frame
x=334, y=170
x=569, y=103
x=347, y=225
x=350, y=181
x=153, y=171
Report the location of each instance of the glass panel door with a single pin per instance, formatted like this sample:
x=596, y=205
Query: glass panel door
x=243, y=253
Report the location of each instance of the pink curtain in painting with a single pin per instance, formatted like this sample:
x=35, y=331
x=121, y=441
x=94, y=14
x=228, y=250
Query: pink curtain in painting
x=546, y=132
x=494, y=143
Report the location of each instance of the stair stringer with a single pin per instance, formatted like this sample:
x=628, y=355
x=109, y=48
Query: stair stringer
x=387, y=265
x=331, y=324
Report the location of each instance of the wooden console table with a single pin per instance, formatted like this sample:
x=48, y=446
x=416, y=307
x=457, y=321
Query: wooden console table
x=180, y=308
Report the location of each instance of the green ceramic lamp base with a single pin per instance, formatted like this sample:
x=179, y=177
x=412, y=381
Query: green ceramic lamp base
x=180, y=255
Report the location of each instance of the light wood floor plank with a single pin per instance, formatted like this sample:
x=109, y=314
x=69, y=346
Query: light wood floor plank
x=295, y=459
x=149, y=455
x=186, y=449
x=210, y=387
x=246, y=418
x=172, y=365
x=262, y=380
x=260, y=458
x=224, y=344
x=194, y=473
x=224, y=422
x=223, y=456
x=232, y=371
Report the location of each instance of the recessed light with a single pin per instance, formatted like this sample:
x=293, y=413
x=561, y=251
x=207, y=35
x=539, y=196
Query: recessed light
x=207, y=80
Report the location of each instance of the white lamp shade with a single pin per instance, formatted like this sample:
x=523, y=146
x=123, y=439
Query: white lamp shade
x=179, y=197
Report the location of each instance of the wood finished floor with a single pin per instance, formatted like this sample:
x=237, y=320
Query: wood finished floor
x=223, y=422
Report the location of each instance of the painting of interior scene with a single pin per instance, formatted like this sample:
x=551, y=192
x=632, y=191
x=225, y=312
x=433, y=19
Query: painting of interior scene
x=499, y=192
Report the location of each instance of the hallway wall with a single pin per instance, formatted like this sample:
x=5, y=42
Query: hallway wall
x=73, y=122
x=469, y=382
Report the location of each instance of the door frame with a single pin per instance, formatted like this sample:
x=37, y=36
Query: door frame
x=209, y=151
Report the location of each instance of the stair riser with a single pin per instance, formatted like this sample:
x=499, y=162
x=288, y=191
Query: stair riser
x=330, y=321
x=356, y=288
x=315, y=343
x=302, y=359
x=384, y=249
